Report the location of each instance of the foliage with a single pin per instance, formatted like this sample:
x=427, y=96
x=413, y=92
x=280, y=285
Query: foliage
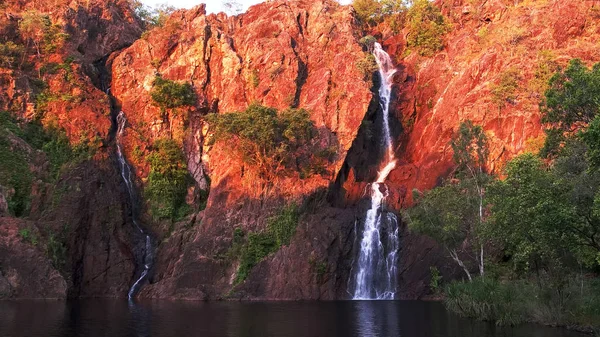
x=280, y=230
x=10, y=54
x=436, y=279
x=546, y=68
x=167, y=181
x=571, y=102
x=56, y=250
x=167, y=94
x=272, y=144
x=152, y=17
x=371, y=12
x=506, y=89
x=254, y=78
x=367, y=66
x=368, y=41
x=16, y=175
x=427, y=28
x=38, y=29
x=489, y=300
x=283, y=225
x=367, y=11
x=512, y=302
x=27, y=235
x=453, y=212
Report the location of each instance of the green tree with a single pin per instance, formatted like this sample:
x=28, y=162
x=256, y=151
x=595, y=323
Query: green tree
x=33, y=27
x=168, y=180
x=367, y=11
x=571, y=102
x=529, y=215
x=470, y=155
x=169, y=96
x=453, y=213
x=427, y=27
x=271, y=143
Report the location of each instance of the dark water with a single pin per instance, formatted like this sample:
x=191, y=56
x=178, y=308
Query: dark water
x=95, y=318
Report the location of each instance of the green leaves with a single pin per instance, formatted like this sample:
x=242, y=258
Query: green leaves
x=571, y=102
x=427, y=28
x=168, y=180
x=271, y=143
x=168, y=94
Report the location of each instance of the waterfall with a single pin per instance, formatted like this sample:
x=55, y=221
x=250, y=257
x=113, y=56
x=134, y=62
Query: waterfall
x=379, y=242
x=126, y=175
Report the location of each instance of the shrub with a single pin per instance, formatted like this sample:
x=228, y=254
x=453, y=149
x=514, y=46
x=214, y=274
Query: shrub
x=506, y=89
x=367, y=11
x=546, y=67
x=168, y=180
x=367, y=66
x=15, y=174
x=427, y=28
x=10, y=54
x=56, y=250
x=28, y=236
x=272, y=144
x=279, y=232
x=488, y=300
x=168, y=94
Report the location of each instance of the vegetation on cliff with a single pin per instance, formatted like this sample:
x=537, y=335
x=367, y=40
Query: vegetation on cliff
x=423, y=20
x=271, y=143
x=541, y=219
x=168, y=181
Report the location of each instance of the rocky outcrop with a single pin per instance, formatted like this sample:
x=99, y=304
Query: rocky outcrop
x=25, y=270
x=280, y=54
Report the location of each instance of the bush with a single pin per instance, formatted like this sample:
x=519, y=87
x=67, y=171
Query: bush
x=168, y=94
x=489, y=300
x=271, y=143
x=427, y=28
x=506, y=89
x=367, y=66
x=168, y=180
x=28, y=236
x=371, y=12
x=15, y=174
x=574, y=303
x=10, y=54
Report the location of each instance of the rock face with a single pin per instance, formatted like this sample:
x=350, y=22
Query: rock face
x=82, y=211
x=25, y=270
x=300, y=54
x=280, y=54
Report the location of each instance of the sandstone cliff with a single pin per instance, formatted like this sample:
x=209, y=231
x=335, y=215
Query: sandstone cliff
x=282, y=54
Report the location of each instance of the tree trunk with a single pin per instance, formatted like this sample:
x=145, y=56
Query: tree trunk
x=455, y=257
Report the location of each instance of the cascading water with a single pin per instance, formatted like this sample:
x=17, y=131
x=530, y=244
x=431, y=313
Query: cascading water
x=126, y=175
x=375, y=276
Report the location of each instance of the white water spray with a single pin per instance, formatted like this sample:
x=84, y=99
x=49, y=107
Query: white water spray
x=126, y=174
x=376, y=265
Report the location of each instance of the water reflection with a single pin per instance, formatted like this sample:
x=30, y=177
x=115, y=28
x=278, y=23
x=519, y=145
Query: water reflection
x=105, y=318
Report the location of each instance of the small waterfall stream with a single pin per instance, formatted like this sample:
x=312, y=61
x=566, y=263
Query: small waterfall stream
x=375, y=268
x=148, y=252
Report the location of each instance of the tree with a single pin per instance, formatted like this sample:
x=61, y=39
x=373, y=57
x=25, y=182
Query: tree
x=168, y=179
x=271, y=143
x=371, y=12
x=571, y=102
x=452, y=214
x=33, y=26
x=427, y=27
x=446, y=214
x=169, y=96
x=471, y=154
